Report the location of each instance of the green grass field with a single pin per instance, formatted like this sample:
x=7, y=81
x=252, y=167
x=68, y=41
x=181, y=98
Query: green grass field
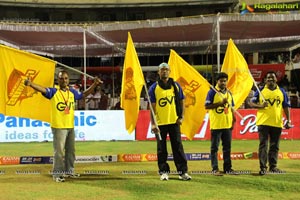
x=117, y=185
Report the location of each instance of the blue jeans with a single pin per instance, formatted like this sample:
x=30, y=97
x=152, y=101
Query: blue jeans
x=216, y=136
x=64, y=151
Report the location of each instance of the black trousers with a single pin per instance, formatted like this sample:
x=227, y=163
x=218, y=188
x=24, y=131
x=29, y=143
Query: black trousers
x=177, y=149
x=272, y=134
x=225, y=136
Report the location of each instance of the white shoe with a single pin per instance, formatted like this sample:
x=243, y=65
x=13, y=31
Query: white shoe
x=185, y=177
x=58, y=179
x=164, y=177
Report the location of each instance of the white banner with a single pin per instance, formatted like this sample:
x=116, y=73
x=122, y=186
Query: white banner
x=89, y=126
x=93, y=159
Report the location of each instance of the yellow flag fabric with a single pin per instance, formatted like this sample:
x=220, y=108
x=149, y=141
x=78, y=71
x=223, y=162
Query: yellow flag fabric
x=195, y=88
x=239, y=78
x=15, y=98
x=132, y=84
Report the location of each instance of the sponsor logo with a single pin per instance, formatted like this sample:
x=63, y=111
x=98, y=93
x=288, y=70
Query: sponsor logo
x=198, y=156
x=90, y=159
x=34, y=160
x=246, y=9
x=130, y=157
x=189, y=90
x=129, y=85
x=240, y=155
x=16, y=90
x=61, y=106
x=9, y=160
x=277, y=6
x=164, y=101
x=268, y=7
x=81, y=119
x=249, y=124
x=80, y=159
x=149, y=157
x=293, y=155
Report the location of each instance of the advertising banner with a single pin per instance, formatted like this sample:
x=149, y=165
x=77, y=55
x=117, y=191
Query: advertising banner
x=93, y=159
x=259, y=71
x=89, y=126
x=9, y=160
x=244, y=128
x=36, y=160
x=109, y=125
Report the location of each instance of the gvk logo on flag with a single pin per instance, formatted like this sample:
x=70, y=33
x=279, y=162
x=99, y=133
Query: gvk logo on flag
x=17, y=99
x=16, y=90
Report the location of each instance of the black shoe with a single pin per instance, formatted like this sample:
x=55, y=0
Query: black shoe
x=262, y=172
x=275, y=170
x=216, y=172
x=231, y=172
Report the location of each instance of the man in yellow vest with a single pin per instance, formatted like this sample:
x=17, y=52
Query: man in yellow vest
x=166, y=98
x=219, y=102
x=62, y=122
x=270, y=102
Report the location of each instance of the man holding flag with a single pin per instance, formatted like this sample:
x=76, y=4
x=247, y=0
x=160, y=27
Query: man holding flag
x=132, y=83
x=270, y=101
x=219, y=102
x=236, y=78
x=166, y=98
x=62, y=122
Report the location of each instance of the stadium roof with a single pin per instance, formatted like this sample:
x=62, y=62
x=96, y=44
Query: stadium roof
x=111, y=3
x=186, y=35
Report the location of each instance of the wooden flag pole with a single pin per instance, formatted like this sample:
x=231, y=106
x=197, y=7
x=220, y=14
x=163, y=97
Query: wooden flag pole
x=151, y=110
x=212, y=87
x=75, y=70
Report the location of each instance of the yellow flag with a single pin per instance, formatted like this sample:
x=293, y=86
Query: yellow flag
x=239, y=78
x=15, y=98
x=132, y=84
x=195, y=89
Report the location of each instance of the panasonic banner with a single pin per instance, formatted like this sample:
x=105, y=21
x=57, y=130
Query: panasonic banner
x=89, y=126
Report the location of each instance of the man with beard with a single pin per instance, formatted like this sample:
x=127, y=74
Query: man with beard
x=219, y=102
x=270, y=102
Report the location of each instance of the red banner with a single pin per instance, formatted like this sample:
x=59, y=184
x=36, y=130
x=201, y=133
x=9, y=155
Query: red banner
x=244, y=129
x=259, y=71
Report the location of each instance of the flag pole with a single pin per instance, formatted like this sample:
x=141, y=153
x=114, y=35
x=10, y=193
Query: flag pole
x=84, y=57
x=212, y=87
x=75, y=70
x=151, y=110
x=262, y=96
